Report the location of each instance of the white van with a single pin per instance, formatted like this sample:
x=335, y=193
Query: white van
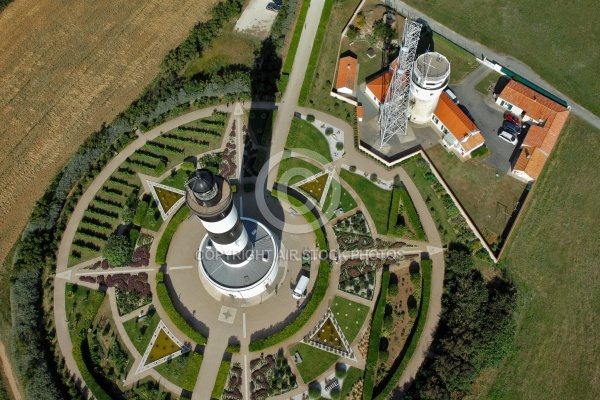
x=452, y=96
x=300, y=288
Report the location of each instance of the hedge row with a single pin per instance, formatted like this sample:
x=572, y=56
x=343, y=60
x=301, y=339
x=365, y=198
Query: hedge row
x=165, y=240
x=316, y=52
x=162, y=292
x=415, y=334
x=376, y=324
x=411, y=212
x=221, y=380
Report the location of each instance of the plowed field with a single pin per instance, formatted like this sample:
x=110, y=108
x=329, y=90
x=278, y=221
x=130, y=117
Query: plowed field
x=65, y=68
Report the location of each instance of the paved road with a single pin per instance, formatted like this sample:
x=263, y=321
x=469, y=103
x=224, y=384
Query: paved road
x=507, y=61
x=488, y=117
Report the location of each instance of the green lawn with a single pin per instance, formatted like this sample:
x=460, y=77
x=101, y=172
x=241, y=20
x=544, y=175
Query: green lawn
x=182, y=371
x=556, y=39
x=299, y=169
x=303, y=135
x=178, y=180
x=552, y=257
x=486, y=197
x=376, y=200
x=486, y=84
x=141, y=332
x=314, y=361
x=352, y=375
x=346, y=201
x=461, y=61
x=349, y=315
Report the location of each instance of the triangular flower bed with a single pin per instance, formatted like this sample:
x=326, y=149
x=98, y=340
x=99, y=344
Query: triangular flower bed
x=316, y=186
x=167, y=198
x=328, y=336
x=163, y=347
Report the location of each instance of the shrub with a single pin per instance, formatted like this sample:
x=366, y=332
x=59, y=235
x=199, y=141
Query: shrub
x=335, y=393
x=329, y=131
x=384, y=356
x=373, y=177
x=310, y=118
x=341, y=370
x=140, y=212
x=352, y=168
x=134, y=235
x=339, y=146
x=118, y=250
x=127, y=215
x=314, y=391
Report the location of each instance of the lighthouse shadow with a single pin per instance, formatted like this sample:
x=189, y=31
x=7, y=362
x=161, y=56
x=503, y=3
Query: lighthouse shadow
x=186, y=313
x=275, y=210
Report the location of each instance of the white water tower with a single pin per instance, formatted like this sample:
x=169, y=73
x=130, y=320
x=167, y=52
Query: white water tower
x=429, y=78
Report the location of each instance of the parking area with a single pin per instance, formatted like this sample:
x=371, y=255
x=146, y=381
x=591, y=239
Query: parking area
x=256, y=19
x=488, y=117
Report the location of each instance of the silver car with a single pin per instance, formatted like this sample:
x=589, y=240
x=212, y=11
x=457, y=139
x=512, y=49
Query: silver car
x=509, y=137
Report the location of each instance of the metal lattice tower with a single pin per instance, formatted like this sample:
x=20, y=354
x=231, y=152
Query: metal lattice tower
x=393, y=116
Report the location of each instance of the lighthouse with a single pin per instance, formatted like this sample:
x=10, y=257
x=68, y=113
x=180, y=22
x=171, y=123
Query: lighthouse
x=430, y=76
x=238, y=256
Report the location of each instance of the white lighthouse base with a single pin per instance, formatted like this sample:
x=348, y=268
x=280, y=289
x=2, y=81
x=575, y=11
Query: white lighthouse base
x=249, y=280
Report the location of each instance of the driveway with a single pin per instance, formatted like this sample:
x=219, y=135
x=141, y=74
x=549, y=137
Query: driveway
x=488, y=117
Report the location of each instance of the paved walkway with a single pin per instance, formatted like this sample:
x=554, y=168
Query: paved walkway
x=505, y=60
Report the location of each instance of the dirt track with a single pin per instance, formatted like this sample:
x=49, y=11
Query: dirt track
x=8, y=371
x=65, y=68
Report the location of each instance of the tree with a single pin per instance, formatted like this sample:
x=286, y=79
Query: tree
x=360, y=20
x=352, y=33
x=314, y=391
x=118, y=251
x=383, y=31
x=188, y=166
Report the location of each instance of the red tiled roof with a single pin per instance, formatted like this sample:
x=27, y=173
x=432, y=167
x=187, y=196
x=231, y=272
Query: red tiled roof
x=554, y=129
x=380, y=84
x=473, y=142
x=531, y=161
x=534, y=104
x=346, y=73
x=454, y=118
x=359, y=111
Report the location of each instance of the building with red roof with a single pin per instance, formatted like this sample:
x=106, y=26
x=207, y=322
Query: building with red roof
x=346, y=76
x=547, y=118
x=459, y=133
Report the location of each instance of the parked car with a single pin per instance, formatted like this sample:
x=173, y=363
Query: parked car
x=512, y=128
x=452, y=96
x=466, y=111
x=512, y=118
x=508, y=137
x=273, y=7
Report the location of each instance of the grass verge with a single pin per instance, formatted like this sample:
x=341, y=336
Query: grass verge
x=182, y=371
x=221, y=379
x=140, y=332
x=411, y=212
x=462, y=62
x=487, y=84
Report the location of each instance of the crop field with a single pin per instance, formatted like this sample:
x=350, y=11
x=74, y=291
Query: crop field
x=552, y=258
x=66, y=68
x=556, y=39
